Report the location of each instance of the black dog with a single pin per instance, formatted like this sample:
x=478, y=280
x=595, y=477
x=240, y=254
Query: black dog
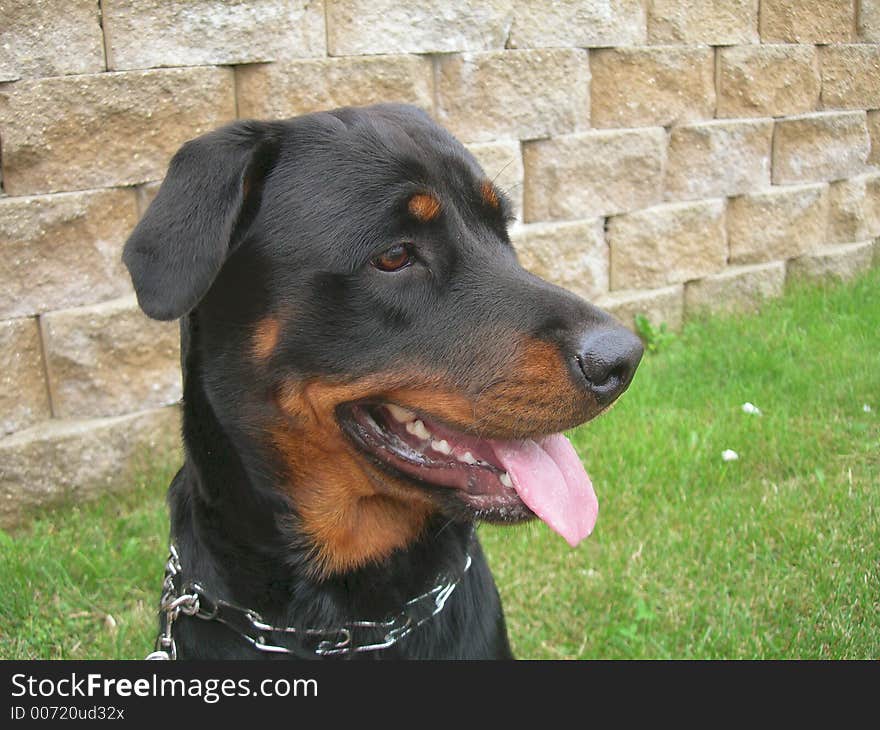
x=367, y=372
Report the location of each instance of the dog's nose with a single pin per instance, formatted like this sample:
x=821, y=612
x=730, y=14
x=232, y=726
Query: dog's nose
x=608, y=359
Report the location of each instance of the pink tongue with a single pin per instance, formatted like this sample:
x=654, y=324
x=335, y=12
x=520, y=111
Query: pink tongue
x=549, y=477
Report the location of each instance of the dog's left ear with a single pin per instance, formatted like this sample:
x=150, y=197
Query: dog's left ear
x=209, y=196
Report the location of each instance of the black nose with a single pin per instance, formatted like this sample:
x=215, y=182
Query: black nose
x=608, y=359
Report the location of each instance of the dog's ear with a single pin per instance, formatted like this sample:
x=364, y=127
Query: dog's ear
x=209, y=196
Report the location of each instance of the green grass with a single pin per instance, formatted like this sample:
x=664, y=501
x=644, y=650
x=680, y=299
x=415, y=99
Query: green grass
x=62, y=578
x=775, y=555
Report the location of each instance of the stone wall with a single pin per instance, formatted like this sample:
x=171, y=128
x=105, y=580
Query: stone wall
x=664, y=156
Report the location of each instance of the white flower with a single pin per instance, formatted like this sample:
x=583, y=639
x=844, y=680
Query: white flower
x=751, y=408
x=729, y=455
x=866, y=408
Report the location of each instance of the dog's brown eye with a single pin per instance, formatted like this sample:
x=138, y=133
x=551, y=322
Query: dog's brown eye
x=393, y=259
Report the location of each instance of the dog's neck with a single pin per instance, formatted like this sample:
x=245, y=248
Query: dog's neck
x=236, y=530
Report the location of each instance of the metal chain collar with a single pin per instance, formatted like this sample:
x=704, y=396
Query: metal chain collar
x=193, y=600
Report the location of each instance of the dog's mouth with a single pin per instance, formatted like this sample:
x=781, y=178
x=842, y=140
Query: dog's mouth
x=500, y=480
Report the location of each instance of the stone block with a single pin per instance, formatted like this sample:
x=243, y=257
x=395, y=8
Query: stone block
x=777, y=223
x=24, y=397
x=874, y=134
x=636, y=87
x=63, y=250
x=768, y=80
x=59, y=461
x=737, y=289
x=524, y=94
x=711, y=22
x=282, y=90
x=102, y=130
x=667, y=244
x=572, y=255
x=718, y=158
x=854, y=209
x=579, y=23
x=813, y=21
x=110, y=359
x=50, y=38
x=833, y=263
x=851, y=76
x=155, y=33
x=658, y=306
x=360, y=27
x=822, y=146
x=869, y=21
x=592, y=174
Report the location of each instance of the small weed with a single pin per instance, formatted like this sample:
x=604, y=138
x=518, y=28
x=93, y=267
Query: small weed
x=654, y=338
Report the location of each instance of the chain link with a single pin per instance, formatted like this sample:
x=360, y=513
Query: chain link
x=171, y=606
x=196, y=601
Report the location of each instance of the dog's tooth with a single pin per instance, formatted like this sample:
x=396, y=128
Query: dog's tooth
x=421, y=431
x=467, y=457
x=506, y=480
x=401, y=415
x=442, y=446
x=417, y=428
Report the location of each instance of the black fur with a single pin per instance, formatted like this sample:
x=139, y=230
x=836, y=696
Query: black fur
x=266, y=217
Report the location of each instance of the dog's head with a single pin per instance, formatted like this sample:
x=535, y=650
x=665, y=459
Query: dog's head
x=364, y=323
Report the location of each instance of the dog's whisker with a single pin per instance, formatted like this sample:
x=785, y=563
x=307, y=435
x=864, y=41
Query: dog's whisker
x=503, y=168
x=443, y=527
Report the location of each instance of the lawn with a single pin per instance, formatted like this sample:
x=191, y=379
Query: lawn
x=775, y=554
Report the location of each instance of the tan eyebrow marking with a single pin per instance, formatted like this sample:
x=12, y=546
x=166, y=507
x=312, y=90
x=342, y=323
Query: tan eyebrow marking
x=487, y=190
x=424, y=207
x=265, y=337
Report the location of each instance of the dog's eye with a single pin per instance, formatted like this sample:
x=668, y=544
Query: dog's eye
x=393, y=259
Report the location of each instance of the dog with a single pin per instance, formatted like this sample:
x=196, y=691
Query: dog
x=368, y=372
